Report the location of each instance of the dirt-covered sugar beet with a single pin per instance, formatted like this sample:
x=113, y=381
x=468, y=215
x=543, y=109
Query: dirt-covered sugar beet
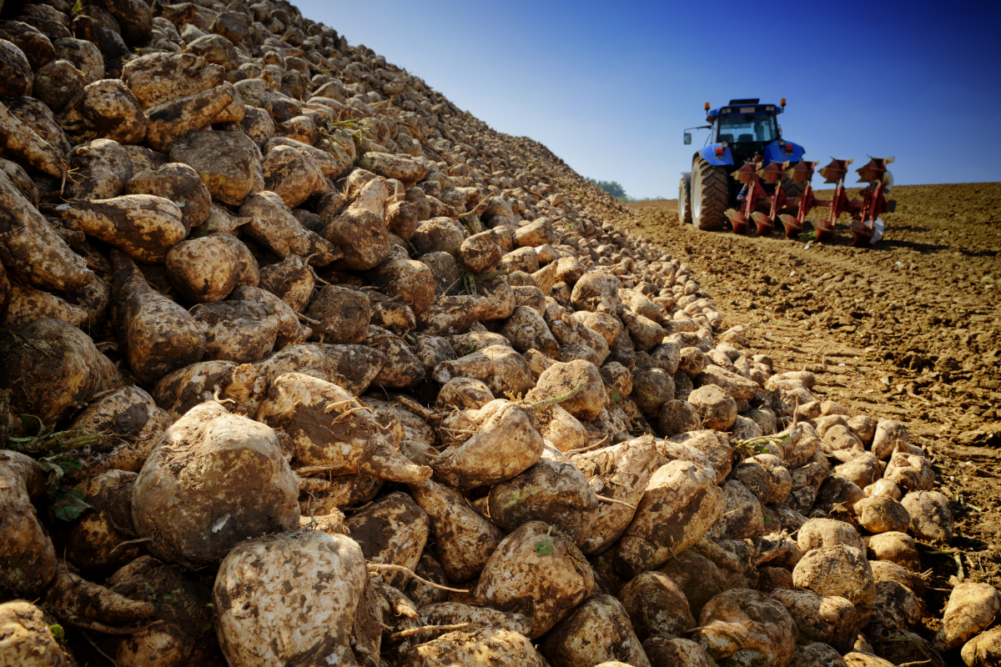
x=303, y=364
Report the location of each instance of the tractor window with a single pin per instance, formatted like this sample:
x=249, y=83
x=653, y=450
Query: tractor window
x=747, y=127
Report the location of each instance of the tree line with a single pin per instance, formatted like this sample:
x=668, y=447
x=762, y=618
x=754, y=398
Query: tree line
x=615, y=189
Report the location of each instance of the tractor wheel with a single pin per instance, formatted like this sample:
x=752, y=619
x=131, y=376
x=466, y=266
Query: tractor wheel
x=710, y=195
x=684, y=205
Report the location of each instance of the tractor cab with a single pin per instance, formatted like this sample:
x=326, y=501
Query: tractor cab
x=747, y=128
x=743, y=130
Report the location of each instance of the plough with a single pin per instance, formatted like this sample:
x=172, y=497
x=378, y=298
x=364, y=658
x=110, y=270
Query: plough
x=867, y=226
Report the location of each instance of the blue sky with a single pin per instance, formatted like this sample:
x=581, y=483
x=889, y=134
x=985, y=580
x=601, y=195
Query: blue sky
x=609, y=87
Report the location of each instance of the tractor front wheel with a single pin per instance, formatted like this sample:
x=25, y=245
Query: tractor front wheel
x=684, y=205
x=710, y=195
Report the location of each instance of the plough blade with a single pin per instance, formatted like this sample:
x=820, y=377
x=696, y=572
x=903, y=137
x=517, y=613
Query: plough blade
x=825, y=234
x=746, y=173
x=772, y=173
x=873, y=170
x=836, y=170
x=738, y=220
x=861, y=235
x=868, y=227
x=763, y=223
x=750, y=194
x=792, y=224
x=802, y=171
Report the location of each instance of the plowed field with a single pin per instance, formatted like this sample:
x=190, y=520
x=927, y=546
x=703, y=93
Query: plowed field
x=909, y=329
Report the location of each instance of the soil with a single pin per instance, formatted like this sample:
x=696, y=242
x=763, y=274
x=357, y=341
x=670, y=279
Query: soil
x=909, y=329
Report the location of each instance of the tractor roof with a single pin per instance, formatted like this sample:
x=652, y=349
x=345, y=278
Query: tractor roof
x=746, y=106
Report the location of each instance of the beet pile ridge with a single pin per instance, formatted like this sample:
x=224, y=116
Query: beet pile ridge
x=301, y=364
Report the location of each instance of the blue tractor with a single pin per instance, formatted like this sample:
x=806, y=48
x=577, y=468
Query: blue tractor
x=742, y=131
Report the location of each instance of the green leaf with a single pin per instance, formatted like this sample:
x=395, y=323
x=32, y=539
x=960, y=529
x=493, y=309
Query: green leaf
x=32, y=423
x=56, y=467
x=615, y=396
x=67, y=463
x=58, y=633
x=544, y=547
x=55, y=473
x=69, y=505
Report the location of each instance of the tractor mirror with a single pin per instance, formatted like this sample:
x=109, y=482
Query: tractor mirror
x=688, y=138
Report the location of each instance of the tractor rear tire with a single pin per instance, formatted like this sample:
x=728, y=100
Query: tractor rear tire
x=710, y=195
x=684, y=204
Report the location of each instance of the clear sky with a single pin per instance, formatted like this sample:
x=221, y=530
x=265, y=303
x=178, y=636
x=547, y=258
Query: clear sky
x=610, y=87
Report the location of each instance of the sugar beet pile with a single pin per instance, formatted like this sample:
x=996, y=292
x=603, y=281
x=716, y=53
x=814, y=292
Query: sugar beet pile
x=302, y=365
